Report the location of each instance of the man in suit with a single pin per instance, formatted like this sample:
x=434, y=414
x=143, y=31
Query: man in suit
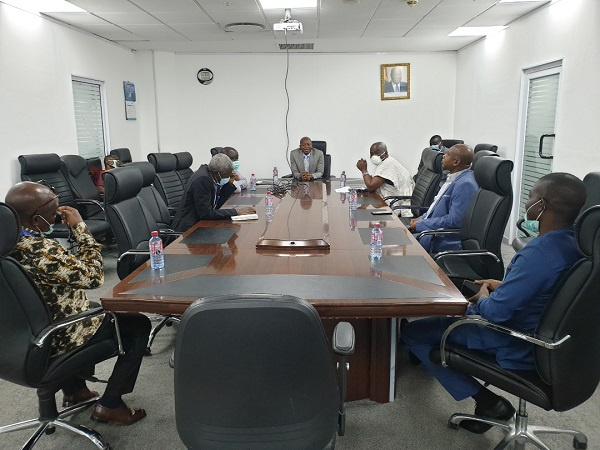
x=517, y=302
x=307, y=163
x=450, y=204
x=205, y=193
x=396, y=84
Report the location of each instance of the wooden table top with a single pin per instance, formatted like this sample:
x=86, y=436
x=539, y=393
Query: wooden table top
x=315, y=249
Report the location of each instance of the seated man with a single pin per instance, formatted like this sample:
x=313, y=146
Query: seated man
x=307, y=163
x=390, y=177
x=206, y=192
x=450, y=204
x=517, y=302
x=237, y=179
x=110, y=162
x=61, y=278
x=435, y=143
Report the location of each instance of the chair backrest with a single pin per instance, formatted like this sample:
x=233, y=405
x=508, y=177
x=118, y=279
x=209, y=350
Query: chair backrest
x=254, y=372
x=322, y=145
x=123, y=154
x=592, y=188
x=128, y=215
x=153, y=200
x=480, y=154
x=486, y=217
x=450, y=142
x=46, y=166
x=216, y=150
x=94, y=166
x=74, y=168
x=183, y=168
x=428, y=180
x=23, y=313
x=574, y=310
x=490, y=147
x=167, y=182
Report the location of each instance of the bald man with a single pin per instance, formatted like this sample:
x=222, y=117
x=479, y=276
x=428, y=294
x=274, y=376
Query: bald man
x=62, y=278
x=395, y=84
x=450, y=204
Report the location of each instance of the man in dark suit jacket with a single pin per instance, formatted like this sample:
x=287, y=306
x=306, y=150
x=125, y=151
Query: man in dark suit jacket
x=396, y=84
x=206, y=192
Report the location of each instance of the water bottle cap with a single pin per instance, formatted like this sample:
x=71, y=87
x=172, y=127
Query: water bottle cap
x=252, y=174
x=154, y=233
x=377, y=225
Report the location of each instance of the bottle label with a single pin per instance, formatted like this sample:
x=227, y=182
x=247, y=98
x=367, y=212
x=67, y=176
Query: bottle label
x=156, y=247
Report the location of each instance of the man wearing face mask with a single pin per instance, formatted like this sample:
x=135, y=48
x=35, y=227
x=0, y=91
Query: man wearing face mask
x=435, y=143
x=517, y=302
x=206, y=192
x=389, y=178
x=237, y=179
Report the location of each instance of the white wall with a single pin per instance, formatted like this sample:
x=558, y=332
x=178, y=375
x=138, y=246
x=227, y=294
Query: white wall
x=333, y=97
x=37, y=59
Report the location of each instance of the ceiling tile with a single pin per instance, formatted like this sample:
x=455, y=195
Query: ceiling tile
x=183, y=17
x=158, y=32
x=237, y=16
x=99, y=6
x=139, y=18
x=196, y=31
x=77, y=18
x=166, y=5
x=229, y=5
x=112, y=32
x=502, y=14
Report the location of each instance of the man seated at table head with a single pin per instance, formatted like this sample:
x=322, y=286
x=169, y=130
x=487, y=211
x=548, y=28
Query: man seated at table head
x=208, y=188
x=62, y=278
x=238, y=180
x=451, y=202
x=307, y=163
x=389, y=178
x=517, y=302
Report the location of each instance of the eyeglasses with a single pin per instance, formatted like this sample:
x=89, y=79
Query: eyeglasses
x=45, y=183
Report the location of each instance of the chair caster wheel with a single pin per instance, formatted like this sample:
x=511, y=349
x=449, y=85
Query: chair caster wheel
x=579, y=445
x=148, y=352
x=453, y=426
x=50, y=430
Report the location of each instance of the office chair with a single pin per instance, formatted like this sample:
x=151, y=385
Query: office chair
x=123, y=154
x=482, y=227
x=426, y=186
x=183, y=168
x=149, y=194
x=167, y=182
x=480, y=154
x=215, y=151
x=490, y=147
x=450, y=142
x=94, y=166
x=253, y=371
x=26, y=330
x=566, y=349
x=592, y=187
x=322, y=145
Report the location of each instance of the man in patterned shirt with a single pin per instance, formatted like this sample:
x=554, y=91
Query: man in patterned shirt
x=61, y=278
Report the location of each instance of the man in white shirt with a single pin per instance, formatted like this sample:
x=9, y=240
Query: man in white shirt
x=237, y=179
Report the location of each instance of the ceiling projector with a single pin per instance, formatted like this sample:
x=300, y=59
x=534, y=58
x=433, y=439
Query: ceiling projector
x=287, y=24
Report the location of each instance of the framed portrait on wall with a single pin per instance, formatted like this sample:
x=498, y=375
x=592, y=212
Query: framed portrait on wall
x=395, y=81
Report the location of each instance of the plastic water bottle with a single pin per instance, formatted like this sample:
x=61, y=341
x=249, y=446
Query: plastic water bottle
x=343, y=197
x=352, y=221
x=269, y=204
x=157, y=257
x=343, y=178
x=253, y=183
x=376, y=242
x=275, y=175
x=353, y=199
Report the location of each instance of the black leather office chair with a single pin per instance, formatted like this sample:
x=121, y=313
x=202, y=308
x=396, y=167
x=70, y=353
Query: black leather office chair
x=483, y=225
x=94, y=166
x=167, y=182
x=322, y=145
x=123, y=154
x=149, y=194
x=426, y=186
x=566, y=352
x=489, y=147
x=46, y=166
x=215, y=151
x=450, y=142
x=480, y=154
x=255, y=372
x=592, y=187
x=183, y=168
x=26, y=330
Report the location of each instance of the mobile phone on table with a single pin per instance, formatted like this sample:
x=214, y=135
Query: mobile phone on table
x=469, y=288
x=381, y=212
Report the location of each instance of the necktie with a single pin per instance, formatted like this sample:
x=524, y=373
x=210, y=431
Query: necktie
x=396, y=88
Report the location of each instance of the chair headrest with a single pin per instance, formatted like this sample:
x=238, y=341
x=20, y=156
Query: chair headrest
x=216, y=150
x=480, y=154
x=450, y=142
x=320, y=145
x=586, y=231
x=123, y=154
x=122, y=183
x=432, y=160
x=94, y=164
x=147, y=169
x=11, y=229
x=490, y=147
x=163, y=162
x=184, y=160
x=74, y=164
x=493, y=174
x=42, y=163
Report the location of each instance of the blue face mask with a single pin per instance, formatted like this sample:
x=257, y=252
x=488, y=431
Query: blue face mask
x=435, y=147
x=236, y=165
x=50, y=227
x=532, y=225
x=223, y=181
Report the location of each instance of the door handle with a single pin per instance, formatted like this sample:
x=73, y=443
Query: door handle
x=544, y=136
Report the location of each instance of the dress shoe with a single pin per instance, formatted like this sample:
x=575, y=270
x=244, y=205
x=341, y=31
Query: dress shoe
x=123, y=415
x=78, y=397
x=502, y=410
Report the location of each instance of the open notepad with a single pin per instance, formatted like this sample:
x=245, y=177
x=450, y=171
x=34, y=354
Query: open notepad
x=244, y=217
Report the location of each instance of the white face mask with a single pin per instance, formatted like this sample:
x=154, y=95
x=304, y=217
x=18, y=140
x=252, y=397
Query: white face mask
x=376, y=159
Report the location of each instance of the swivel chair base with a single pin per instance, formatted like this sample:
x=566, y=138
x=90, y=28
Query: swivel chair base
x=518, y=432
x=48, y=426
x=165, y=321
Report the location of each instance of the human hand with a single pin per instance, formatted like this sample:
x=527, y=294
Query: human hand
x=306, y=176
x=361, y=165
x=69, y=215
x=245, y=210
x=492, y=284
x=412, y=226
x=483, y=292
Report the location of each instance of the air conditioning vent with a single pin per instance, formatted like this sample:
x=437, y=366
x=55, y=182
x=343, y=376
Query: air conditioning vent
x=296, y=46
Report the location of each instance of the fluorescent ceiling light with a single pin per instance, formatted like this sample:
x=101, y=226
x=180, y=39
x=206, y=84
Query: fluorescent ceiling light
x=44, y=6
x=475, y=31
x=288, y=4
x=522, y=1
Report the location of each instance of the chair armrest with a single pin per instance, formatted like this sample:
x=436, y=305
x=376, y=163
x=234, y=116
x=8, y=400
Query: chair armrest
x=132, y=252
x=520, y=227
x=66, y=322
x=343, y=339
x=435, y=232
x=172, y=211
x=467, y=253
x=540, y=341
x=420, y=208
x=169, y=232
x=83, y=201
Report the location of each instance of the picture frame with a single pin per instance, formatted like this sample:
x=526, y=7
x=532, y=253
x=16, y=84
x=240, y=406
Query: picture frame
x=395, y=81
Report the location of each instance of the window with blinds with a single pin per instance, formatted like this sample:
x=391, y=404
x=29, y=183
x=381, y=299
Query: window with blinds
x=89, y=118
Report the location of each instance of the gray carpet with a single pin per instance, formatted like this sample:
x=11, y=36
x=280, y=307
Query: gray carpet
x=415, y=420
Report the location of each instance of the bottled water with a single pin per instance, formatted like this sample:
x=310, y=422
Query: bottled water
x=376, y=241
x=353, y=199
x=343, y=178
x=157, y=257
x=352, y=221
x=269, y=204
x=252, y=183
x=343, y=197
x=275, y=175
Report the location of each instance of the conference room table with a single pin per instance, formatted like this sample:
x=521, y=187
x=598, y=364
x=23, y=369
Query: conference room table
x=314, y=247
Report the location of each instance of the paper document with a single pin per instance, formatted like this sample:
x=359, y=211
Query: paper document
x=244, y=217
x=342, y=190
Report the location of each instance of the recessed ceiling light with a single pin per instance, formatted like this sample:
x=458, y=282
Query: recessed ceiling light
x=475, y=31
x=288, y=4
x=45, y=6
x=244, y=27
